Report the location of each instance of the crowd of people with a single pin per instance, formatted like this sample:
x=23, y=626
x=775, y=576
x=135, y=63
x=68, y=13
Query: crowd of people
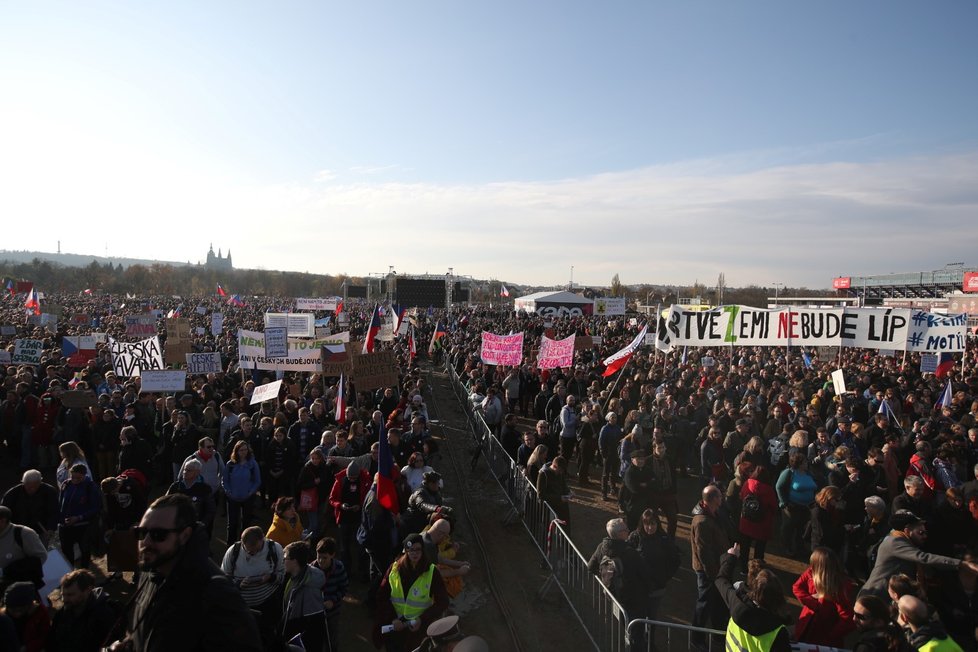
x=876, y=488
x=852, y=483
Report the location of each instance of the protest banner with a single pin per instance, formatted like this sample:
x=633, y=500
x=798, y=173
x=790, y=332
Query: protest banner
x=304, y=354
x=81, y=319
x=901, y=329
x=315, y=304
x=162, y=380
x=266, y=392
x=204, y=363
x=374, y=370
x=4, y=356
x=583, y=342
x=131, y=358
x=839, y=382
x=609, y=306
x=178, y=340
x=555, y=353
x=276, y=342
x=929, y=362
x=337, y=359
x=8, y=329
x=502, y=349
x=140, y=325
x=217, y=323
x=297, y=324
x=27, y=351
x=78, y=349
x=78, y=398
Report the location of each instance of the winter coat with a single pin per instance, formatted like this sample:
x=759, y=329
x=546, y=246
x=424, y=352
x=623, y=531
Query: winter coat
x=763, y=529
x=242, y=480
x=822, y=621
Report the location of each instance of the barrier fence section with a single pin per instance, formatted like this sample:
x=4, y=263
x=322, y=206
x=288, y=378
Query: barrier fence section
x=598, y=611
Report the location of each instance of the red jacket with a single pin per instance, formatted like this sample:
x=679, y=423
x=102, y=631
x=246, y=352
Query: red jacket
x=822, y=622
x=336, y=493
x=759, y=530
x=44, y=416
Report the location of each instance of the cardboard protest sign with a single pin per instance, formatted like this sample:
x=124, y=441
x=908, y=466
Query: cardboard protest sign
x=27, y=351
x=583, y=342
x=178, y=340
x=276, y=342
x=204, y=363
x=502, y=349
x=162, y=380
x=373, y=370
x=130, y=358
x=839, y=382
x=337, y=359
x=78, y=398
x=140, y=325
x=266, y=392
x=556, y=353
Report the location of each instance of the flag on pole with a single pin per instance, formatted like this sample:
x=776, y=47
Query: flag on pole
x=372, y=330
x=412, y=345
x=87, y=291
x=32, y=302
x=503, y=291
x=945, y=398
x=618, y=360
x=339, y=307
x=439, y=333
x=684, y=358
x=886, y=411
x=945, y=365
x=386, y=493
x=340, y=413
x=220, y=291
x=807, y=359
x=235, y=300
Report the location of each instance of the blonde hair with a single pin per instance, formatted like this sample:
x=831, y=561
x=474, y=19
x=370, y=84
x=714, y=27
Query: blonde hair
x=828, y=575
x=799, y=439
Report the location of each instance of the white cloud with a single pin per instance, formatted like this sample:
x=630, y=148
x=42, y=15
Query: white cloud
x=798, y=224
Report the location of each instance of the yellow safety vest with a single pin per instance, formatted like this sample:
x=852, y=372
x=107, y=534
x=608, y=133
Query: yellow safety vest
x=940, y=645
x=418, y=598
x=739, y=640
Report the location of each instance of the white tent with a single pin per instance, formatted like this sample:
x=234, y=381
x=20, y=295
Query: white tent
x=555, y=304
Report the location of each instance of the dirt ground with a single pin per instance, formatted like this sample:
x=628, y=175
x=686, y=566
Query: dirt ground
x=501, y=600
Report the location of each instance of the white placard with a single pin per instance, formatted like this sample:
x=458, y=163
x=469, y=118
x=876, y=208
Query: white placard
x=100, y=338
x=315, y=304
x=200, y=330
x=129, y=359
x=27, y=351
x=276, y=342
x=266, y=392
x=707, y=361
x=162, y=380
x=8, y=329
x=298, y=324
x=929, y=362
x=839, y=382
x=217, y=323
x=204, y=363
x=4, y=356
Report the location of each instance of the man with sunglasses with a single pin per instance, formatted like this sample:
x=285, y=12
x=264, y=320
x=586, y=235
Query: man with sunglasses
x=183, y=600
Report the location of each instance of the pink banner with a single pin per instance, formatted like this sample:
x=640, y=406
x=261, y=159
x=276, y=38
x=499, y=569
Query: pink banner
x=502, y=349
x=556, y=353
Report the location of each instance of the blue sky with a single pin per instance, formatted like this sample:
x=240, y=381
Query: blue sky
x=667, y=142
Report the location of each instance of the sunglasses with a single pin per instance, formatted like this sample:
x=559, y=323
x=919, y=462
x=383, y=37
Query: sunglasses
x=156, y=534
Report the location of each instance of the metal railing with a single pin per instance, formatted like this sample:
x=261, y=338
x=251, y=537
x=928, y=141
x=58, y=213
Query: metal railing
x=600, y=614
x=648, y=635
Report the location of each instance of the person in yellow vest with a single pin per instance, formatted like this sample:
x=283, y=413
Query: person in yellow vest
x=756, y=622
x=926, y=634
x=411, y=597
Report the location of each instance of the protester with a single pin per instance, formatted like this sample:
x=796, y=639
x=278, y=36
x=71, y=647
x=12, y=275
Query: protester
x=756, y=618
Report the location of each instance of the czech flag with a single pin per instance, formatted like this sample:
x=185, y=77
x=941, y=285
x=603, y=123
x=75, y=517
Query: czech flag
x=945, y=365
x=412, y=345
x=339, y=307
x=886, y=411
x=10, y=287
x=335, y=354
x=503, y=291
x=236, y=301
x=372, y=330
x=386, y=493
x=340, y=414
x=439, y=333
x=945, y=398
x=220, y=291
x=619, y=359
x=32, y=303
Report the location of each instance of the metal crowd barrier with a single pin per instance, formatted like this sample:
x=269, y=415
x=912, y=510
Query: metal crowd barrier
x=648, y=635
x=599, y=613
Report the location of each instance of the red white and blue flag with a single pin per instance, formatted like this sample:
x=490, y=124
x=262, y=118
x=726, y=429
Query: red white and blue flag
x=439, y=333
x=945, y=365
x=619, y=359
x=220, y=291
x=503, y=291
x=10, y=286
x=369, y=342
x=339, y=307
x=340, y=414
x=32, y=302
x=945, y=398
x=235, y=300
x=412, y=345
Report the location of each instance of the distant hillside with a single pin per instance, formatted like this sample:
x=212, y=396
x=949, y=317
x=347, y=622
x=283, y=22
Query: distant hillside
x=80, y=260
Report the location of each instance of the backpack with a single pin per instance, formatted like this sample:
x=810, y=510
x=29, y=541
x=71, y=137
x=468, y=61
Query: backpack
x=271, y=556
x=751, y=508
x=611, y=573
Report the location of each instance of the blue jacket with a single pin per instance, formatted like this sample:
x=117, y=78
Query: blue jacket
x=83, y=499
x=241, y=480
